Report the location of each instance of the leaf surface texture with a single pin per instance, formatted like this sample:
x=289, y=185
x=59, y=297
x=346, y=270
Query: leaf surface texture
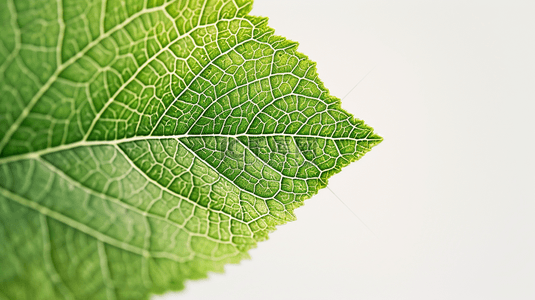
x=144, y=143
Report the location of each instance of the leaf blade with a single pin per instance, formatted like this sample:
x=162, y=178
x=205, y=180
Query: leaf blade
x=159, y=150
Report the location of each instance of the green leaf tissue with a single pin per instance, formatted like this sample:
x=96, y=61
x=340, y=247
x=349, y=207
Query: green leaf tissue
x=144, y=143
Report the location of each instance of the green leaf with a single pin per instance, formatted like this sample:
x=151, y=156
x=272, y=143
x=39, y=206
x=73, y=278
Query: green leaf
x=145, y=143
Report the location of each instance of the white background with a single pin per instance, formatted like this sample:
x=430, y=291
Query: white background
x=449, y=194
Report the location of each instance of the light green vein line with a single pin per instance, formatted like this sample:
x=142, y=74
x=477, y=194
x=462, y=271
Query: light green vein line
x=108, y=282
x=60, y=69
x=15, y=52
x=215, y=170
x=66, y=177
x=212, y=62
x=49, y=264
x=165, y=188
x=84, y=228
x=45, y=151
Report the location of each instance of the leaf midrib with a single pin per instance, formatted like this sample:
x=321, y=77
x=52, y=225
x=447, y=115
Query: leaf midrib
x=38, y=153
